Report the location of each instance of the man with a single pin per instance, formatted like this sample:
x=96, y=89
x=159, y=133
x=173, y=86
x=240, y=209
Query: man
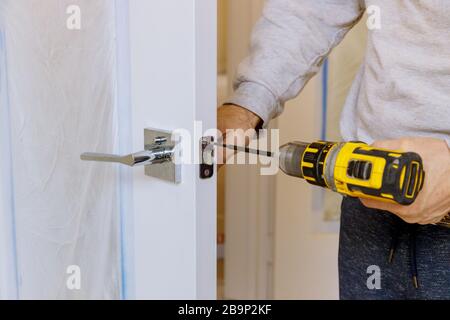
x=400, y=100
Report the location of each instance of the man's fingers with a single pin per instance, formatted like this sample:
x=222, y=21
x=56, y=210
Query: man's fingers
x=380, y=205
x=223, y=155
x=220, y=157
x=393, y=208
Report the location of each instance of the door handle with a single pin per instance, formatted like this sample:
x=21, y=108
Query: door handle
x=158, y=157
x=130, y=160
x=155, y=154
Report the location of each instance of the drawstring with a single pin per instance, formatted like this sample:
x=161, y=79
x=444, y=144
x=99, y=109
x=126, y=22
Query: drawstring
x=412, y=249
x=413, y=255
x=394, y=240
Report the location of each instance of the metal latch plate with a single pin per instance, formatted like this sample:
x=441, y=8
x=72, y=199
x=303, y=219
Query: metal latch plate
x=207, y=157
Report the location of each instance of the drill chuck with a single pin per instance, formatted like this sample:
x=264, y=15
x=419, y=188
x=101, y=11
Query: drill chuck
x=307, y=161
x=291, y=155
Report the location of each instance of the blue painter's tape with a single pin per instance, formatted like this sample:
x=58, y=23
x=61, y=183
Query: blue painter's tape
x=125, y=191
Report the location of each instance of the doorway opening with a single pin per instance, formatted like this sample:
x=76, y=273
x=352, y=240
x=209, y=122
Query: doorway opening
x=245, y=204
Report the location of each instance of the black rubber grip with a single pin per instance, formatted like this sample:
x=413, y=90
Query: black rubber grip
x=403, y=178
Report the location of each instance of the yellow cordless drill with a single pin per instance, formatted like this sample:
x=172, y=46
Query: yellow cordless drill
x=356, y=169
x=352, y=168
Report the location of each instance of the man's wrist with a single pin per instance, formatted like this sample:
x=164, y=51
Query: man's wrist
x=231, y=116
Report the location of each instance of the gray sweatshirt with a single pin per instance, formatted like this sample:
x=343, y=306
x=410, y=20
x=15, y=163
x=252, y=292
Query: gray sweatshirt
x=403, y=87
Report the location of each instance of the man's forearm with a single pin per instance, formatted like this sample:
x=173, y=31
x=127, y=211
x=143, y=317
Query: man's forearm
x=289, y=43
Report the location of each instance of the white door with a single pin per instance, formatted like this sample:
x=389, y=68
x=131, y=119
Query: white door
x=90, y=76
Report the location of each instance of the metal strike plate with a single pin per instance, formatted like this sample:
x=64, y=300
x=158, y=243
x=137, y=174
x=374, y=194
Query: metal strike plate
x=170, y=170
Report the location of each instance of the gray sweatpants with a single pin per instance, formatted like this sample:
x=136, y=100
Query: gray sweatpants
x=366, y=239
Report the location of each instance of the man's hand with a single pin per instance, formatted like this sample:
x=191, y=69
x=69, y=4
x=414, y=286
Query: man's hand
x=232, y=117
x=433, y=203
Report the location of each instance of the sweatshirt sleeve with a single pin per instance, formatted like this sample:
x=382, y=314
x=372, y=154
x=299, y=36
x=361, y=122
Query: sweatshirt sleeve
x=289, y=44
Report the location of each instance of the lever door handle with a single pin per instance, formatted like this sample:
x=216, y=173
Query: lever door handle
x=155, y=153
x=158, y=157
x=132, y=160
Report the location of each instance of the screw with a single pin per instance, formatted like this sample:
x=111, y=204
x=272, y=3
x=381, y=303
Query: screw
x=160, y=140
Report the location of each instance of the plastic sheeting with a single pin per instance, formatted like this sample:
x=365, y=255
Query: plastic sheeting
x=60, y=96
